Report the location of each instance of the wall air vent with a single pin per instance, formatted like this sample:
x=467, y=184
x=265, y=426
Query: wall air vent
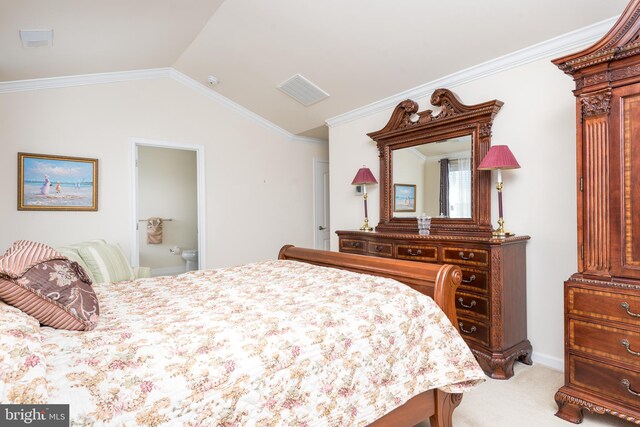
x=302, y=90
x=36, y=38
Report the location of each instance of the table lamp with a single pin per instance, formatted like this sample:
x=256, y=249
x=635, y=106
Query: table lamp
x=499, y=157
x=364, y=177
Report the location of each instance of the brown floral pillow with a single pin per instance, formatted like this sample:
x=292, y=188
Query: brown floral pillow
x=48, y=286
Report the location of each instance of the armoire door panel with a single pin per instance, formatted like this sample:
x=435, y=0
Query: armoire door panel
x=626, y=205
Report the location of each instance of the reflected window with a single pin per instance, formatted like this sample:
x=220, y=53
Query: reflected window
x=459, y=188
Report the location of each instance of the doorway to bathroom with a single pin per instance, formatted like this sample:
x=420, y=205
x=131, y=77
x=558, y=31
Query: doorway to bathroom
x=168, y=206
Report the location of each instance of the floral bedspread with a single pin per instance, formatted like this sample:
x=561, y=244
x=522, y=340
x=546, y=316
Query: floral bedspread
x=276, y=343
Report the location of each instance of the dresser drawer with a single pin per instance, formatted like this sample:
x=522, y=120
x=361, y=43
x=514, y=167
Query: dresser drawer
x=605, y=380
x=474, y=280
x=468, y=256
x=472, y=304
x=380, y=249
x=353, y=245
x=612, y=343
x=417, y=252
x=604, y=305
x=474, y=330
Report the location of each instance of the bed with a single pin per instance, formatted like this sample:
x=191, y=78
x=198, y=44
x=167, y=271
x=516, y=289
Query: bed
x=305, y=340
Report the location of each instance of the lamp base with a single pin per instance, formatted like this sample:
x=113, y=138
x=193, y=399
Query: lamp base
x=500, y=231
x=365, y=226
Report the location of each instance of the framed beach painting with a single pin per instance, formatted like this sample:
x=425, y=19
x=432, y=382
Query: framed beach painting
x=57, y=183
x=404, y=198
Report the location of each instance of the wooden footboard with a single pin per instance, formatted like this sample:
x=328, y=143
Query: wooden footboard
x=438, y=281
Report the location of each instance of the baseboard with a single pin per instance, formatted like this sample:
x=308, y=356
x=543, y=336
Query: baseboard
x=548, y=361
x=166, y=271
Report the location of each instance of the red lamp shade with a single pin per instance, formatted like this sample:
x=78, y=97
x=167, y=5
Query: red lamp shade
x=364, y=176
x=499, y=157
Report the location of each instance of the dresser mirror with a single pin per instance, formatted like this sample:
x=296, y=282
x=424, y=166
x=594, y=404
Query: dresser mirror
x=428, y=164
x=437, y=176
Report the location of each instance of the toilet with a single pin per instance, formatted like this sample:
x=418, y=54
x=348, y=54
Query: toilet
x=191, y=258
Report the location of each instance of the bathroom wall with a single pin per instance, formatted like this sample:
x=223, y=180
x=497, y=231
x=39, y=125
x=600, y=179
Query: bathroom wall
x=167, y=188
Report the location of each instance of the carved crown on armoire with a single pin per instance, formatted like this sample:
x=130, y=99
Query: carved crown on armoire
x=602, y=299
x=491, y=300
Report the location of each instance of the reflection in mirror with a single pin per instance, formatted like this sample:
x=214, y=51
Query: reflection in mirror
x=441, y=173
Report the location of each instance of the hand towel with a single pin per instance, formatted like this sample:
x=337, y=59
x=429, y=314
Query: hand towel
x=154, y=231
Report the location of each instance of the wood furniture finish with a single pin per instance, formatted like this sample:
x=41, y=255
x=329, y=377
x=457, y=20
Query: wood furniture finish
x=440, y=282
x=491, y=300
x=454, y=120
x=602, y=299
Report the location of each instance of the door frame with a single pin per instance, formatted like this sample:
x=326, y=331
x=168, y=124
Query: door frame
x=315, y=193
x=200, y=180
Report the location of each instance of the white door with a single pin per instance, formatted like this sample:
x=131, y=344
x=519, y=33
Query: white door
x=321, y=202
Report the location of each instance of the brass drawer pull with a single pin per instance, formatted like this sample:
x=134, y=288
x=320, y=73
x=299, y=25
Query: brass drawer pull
x=471, y=304
x=461, y=254
x=626, y=306
x=354, y=244
x=470, y=279
x=470, y=331
x=627, y=384
x=625, y=344
x=416, y=253
x=378, y=248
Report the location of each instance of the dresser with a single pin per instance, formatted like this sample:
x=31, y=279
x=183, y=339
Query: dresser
x=602, y=299
x=491, y=300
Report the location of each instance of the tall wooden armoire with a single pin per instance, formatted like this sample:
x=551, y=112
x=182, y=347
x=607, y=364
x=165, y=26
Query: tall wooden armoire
x=602, y=300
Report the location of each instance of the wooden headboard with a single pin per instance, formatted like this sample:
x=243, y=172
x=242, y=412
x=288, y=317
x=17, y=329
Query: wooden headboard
x=438, y=281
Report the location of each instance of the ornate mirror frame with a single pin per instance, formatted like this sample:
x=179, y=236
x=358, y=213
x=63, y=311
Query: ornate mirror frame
x=407, y=127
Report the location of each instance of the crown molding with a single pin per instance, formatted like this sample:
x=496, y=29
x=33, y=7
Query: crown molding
x=308, y=139
x=555, y=46
x=123, y=76
x=82, y=80
x=212, y=94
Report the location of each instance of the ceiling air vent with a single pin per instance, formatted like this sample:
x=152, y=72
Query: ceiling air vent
x=302, y=90
x=36, y=38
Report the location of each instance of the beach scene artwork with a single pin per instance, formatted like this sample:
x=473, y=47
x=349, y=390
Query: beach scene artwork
x=405, y=198
x=54, y=182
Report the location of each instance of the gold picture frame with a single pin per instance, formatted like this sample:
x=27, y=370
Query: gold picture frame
x=404, y=197
x=57, y=183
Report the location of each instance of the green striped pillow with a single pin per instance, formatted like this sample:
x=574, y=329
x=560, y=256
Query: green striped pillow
x=107, y=263
x=73, y=255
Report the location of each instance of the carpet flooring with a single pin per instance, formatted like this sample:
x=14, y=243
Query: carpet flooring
x=525, y=400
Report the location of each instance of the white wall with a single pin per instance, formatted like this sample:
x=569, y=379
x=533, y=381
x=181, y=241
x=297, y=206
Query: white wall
x=258, y=183
x=432, y=187
x=408, y=169
x=537, y=122
x=167, y=188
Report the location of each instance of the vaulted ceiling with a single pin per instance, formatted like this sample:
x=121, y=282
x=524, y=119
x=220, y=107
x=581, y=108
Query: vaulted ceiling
x=358, y=51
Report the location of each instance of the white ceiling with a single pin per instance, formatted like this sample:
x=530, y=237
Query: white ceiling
x=359, y=51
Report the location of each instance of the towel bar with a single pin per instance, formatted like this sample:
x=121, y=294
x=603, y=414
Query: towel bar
x=163, y=219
